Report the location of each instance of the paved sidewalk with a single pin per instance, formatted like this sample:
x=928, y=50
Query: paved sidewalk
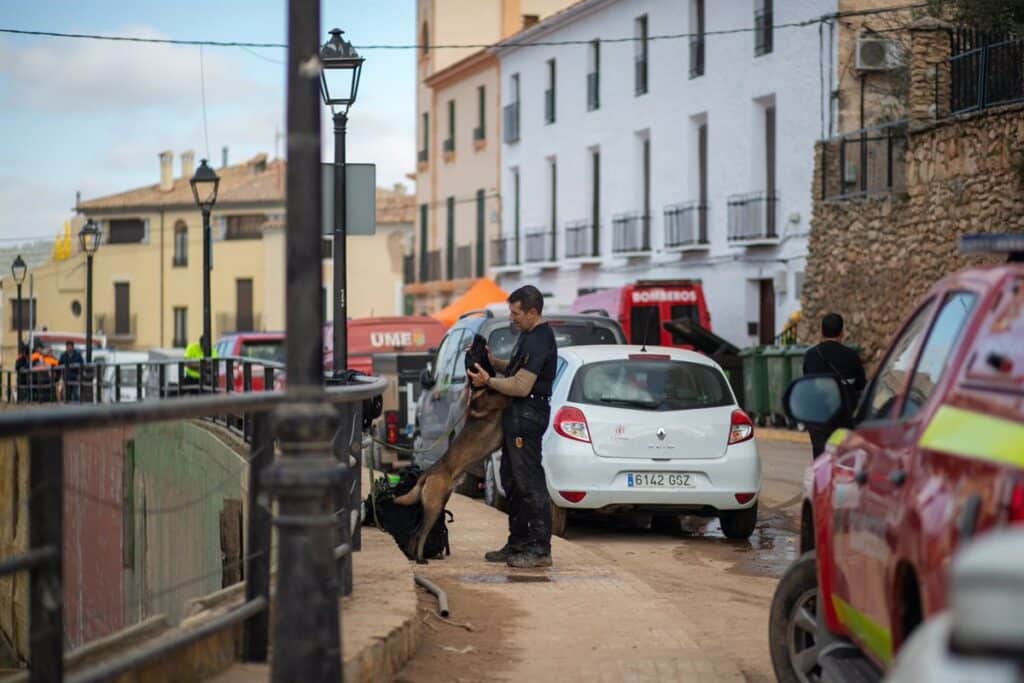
x=772, y=434
x=582, y=620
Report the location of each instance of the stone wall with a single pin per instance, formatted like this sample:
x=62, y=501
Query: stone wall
x=872, y=258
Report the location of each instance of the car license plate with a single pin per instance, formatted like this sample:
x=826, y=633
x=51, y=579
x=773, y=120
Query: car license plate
x=661, y=480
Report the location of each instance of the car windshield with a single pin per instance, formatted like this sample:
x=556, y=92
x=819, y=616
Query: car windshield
x=263, y=350
x=503, y=339
x=650, y=384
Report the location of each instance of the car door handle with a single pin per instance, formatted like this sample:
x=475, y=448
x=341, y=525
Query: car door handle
x=861, y=477
x=897, y=478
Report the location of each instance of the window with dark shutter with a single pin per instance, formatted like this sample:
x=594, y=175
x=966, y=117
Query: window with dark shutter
x=126, y=231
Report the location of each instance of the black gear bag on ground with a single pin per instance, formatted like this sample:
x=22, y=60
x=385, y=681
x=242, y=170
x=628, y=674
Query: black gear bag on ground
x=402, y=521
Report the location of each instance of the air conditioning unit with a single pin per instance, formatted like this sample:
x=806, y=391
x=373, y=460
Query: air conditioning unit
x=878, y=54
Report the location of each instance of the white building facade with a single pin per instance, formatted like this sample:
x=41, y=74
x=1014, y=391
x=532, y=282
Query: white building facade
x=664, y=158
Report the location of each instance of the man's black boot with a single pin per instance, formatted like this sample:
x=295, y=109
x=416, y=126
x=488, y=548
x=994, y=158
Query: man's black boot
x=501, y=555
x=529, y=560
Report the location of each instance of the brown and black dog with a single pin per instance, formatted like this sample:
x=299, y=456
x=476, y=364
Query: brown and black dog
x=480, y=436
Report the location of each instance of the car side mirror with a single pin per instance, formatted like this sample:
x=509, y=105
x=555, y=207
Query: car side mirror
x=987, y=596
x=816, y=401
x=427, y=378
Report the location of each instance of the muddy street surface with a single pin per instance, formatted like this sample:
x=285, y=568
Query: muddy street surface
x=626, y=603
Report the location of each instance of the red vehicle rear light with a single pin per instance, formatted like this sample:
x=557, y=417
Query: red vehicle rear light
x=573, y=496
x=391, y=426
x=742, y=498
x=571, y=423
x=742, y=428
x=1016, y=515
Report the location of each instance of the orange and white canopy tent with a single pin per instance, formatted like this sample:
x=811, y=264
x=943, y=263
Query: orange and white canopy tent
x=483, y=292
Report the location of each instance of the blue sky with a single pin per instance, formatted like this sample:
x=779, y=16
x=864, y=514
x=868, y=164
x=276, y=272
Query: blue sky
x=92, y=116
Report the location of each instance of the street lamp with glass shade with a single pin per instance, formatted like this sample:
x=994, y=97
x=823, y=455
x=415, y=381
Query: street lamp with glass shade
x=89, y=240
x=18, y=270
x=205, y=183
x=341, y=67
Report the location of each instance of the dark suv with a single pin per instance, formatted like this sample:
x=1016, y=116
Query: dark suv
x=439, y=411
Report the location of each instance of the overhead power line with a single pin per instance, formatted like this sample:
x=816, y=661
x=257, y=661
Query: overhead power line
x=481, y=46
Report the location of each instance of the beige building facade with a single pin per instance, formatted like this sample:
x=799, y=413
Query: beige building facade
x=147, y=272
x=458, y=139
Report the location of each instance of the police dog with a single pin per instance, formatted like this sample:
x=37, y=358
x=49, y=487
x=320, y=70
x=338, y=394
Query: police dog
x=480, y=437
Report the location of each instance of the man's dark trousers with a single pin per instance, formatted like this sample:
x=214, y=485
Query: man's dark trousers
x=529, y=507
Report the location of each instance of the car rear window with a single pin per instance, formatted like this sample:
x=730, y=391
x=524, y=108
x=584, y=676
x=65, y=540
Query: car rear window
x=263, y=350
x=650, y=384
x=503, y=339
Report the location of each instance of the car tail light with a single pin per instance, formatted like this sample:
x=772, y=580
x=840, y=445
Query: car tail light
x=573, y=496
x=742, y=428
x=391, y=426
x=742, y=498
x=1016, y=515
x=571, y=423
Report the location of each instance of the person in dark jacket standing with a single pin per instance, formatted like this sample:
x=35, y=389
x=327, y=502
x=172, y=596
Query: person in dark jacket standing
x=71, y=362
x=533, y=358
x=832, y=357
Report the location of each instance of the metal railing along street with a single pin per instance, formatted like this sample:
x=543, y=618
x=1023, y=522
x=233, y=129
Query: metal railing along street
x=865, y=162
x=985, y=70
x=236, y=392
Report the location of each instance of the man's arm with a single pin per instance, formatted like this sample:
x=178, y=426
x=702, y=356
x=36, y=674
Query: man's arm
x=518, y=385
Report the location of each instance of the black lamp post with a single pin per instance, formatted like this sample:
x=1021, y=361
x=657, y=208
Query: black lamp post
x=204, y=188
x=89, y=240
x=339, y=83
x=18, y=270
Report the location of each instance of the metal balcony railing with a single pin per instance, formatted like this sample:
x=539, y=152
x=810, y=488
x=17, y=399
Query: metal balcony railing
x=593, y=91
x=448, y=146
x=463, y=265
x=433, y=266
x=539, y=246
x=581, y=240
x=505, y=251
x=696, y=56
x=752, y=217
x=408, y=268
x=510, y=120
x=118, y=328
x=549, y=105
x=422, y=156
x=686, y=225
x=631, y=233
x=985, y=70
x=763, y=39
x=640, y=77
x=479, y=133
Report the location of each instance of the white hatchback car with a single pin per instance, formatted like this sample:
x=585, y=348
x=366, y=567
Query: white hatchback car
x=653, y=430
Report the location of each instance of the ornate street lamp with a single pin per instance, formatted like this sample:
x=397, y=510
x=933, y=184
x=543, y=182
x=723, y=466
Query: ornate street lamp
x=205, y=183
x=339, y=84
x=18, y=270
x=89, y=240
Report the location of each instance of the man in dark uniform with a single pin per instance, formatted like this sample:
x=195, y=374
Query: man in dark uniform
x=523, y=423
x=832, y=357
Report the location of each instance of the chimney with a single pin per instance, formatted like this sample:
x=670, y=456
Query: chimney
x=224, y=157
x=78, y=198
x=166, y=171
x=188, y=164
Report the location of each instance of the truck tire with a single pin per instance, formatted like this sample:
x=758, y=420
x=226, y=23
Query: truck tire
x=793, y=638
x=492, y=496
x=738, y=524
x=559, y=520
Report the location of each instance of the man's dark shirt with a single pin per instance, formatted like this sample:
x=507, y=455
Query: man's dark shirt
x=72, y=359
x=831, y=357
x=540, y=351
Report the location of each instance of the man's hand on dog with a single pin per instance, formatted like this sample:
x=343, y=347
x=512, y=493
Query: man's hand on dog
x=479, y=377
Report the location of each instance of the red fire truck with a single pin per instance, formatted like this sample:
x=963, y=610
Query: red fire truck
x=642, y=307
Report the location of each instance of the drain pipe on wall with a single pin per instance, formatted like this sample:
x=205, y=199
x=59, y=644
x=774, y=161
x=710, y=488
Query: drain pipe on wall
x=442, y=597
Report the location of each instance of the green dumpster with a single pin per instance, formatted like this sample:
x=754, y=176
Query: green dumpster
x=777, y=369
x=795, y=355
x=755, y=383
